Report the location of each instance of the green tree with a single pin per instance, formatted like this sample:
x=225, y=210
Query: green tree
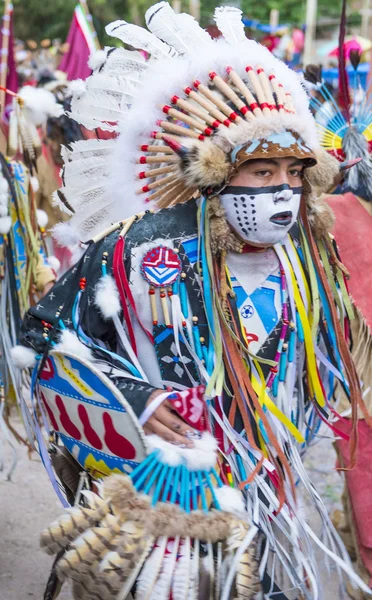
x=38, y=19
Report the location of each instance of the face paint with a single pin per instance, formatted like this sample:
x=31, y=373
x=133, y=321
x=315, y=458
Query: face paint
x=261, y=215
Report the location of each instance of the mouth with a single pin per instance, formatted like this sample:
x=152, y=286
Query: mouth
x=283, y=218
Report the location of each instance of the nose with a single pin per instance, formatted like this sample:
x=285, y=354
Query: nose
x=283, y=195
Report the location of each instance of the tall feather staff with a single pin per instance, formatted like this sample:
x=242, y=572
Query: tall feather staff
x=344, y=91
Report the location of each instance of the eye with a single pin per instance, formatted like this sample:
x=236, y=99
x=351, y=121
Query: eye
x=296, y=173
x=263, y=173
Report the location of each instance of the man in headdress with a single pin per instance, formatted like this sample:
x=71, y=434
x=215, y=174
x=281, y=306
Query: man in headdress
x=208, y=274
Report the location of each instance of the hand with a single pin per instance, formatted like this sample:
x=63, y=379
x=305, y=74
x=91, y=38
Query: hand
x=165, y=423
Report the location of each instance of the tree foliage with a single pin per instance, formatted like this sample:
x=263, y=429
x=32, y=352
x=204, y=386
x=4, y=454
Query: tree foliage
x=38, y=19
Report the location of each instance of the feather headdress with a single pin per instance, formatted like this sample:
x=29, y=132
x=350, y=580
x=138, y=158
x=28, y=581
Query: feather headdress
x=173, y=116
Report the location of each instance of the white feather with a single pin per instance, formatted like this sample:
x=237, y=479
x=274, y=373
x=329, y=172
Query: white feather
x=181, y=31
x=56, y=201
x=107, y=297
x=121, y=60
x=164, y=581
x=140, y=39
x=229, y=21
x=23, y=358
x=182, y=575
x=150, y=571
x=126, y=84
x=3, y=210
x=194, y=576
x=96, y=109
x=86, y=148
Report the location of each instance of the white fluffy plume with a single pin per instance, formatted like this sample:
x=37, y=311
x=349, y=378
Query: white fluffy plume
x=181, y=31
x=107, y=297
x=229, y=21
x=54, y=263
x=5, y=225
x=64, y=235
x=230, y=499
x=97, y=59
x=23, y=358
x=39, y=105
x=69, y=343
x=42, y=218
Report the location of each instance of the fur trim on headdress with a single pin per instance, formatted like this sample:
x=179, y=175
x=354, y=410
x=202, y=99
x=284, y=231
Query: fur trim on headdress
x=321, y=217
x=221, y=236
x=204, y=165
x=259, y=129
x=326, y=173
x=319, y=180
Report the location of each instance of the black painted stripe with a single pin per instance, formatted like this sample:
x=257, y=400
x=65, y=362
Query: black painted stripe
x=254, y=191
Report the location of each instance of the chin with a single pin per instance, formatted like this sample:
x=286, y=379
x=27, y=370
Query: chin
x=272, y=237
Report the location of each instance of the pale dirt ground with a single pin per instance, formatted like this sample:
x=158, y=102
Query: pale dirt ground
x=28, y=504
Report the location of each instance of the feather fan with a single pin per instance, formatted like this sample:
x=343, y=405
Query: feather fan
x=181, y=31
x=229, y=21
x=139, y=38
x=344, y=91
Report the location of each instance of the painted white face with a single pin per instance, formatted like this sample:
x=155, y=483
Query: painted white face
x=261, y=216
